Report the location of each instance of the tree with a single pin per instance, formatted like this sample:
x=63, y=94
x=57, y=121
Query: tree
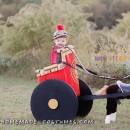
x=105, y=12
x=123, y=28
x=11, y=7
x=27, y=36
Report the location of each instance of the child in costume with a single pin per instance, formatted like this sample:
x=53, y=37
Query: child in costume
x=60, y=40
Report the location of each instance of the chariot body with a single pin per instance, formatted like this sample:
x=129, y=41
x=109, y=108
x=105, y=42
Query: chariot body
x=57, y=97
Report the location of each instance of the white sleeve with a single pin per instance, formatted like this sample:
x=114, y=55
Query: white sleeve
x=119, y=85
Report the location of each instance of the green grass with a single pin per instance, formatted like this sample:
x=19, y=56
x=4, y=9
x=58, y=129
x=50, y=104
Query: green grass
x=15, y=104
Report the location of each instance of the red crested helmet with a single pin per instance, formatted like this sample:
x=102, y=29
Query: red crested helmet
x=60, y=32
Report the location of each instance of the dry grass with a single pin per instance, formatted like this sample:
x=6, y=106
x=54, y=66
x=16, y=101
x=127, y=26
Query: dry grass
x=15, y=104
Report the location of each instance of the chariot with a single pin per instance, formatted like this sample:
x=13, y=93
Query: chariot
x=61, y=94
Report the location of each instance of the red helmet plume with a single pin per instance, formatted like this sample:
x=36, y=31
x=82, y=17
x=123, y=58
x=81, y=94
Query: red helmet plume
x=60, y=27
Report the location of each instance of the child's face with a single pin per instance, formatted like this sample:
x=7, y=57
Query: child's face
x=61, y=41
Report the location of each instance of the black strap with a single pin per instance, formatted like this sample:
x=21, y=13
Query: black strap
x=94, y=97
x=90, y=72
x=126, y=77
x=95, y=74
x=71, y=66
x=86, y=69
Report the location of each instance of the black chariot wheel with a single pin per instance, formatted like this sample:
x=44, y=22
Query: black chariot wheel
x=54, y=100
x=84, y=106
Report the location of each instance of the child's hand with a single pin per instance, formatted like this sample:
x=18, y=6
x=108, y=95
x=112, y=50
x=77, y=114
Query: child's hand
x=59, y=50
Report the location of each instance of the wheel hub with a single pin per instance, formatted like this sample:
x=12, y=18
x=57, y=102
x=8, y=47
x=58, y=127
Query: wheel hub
x=53, y=103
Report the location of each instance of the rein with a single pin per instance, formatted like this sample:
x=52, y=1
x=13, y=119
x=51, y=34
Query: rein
x=89, y=72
